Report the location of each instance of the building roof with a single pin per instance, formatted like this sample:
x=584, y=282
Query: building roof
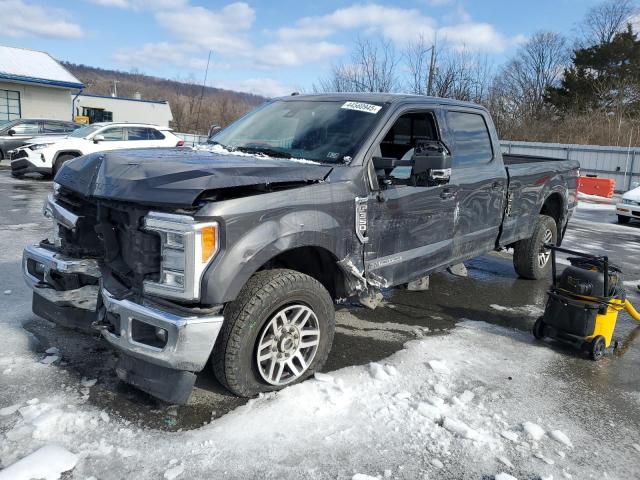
x=33, y=66
x=161, y=102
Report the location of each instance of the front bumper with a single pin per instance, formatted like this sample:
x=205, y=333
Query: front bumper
x=25, y=160
x=628, y=210
x=185, y=343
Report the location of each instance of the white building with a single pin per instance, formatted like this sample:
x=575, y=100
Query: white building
x=116, y=109
x=34, y=85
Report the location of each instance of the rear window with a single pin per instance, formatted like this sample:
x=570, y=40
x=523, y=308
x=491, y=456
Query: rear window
x=471, y=139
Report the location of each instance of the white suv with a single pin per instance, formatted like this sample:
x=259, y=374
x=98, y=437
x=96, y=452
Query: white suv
x=46, y=155
x=629, y=207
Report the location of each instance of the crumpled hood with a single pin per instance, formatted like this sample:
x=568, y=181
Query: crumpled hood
x=176, y=176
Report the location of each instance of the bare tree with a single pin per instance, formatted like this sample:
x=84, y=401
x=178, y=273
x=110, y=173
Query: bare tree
x=462, y=75
x=523, y=81
x=372, y=69
x=604, y=20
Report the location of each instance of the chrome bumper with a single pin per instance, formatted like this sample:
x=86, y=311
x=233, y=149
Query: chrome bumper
x=189, y=339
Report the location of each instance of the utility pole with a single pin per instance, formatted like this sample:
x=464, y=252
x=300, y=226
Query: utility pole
x=432, y=65
x=204, y=83
x=115, y=88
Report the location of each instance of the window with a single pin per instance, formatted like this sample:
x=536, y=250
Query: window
x=56, y=127
x=97, y=115
x=408, y=130
x=113, y=134
x=9, y=105
x=26, y=128
x=143, y=133
x=471, y=140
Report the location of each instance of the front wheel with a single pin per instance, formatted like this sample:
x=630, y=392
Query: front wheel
x=59, y=162
x=530, y=258
x=277, y=332
x=538, y=329
x=597, y=348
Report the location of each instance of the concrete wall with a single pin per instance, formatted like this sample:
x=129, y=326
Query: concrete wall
x=128, y=110
x=619, y=163
x=42, y=102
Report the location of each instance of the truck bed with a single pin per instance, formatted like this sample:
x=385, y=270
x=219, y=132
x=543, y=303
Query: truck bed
x=516, y=159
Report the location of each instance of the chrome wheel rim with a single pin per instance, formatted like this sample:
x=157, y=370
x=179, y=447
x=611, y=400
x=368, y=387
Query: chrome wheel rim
x=545, y=254
x=288, y=344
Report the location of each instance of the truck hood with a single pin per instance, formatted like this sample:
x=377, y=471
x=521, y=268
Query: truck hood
x=177, y=176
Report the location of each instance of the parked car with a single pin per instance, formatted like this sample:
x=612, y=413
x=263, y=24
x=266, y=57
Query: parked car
x=46, y=155
x=16, y=133
x=234, y=254
x=629, y=206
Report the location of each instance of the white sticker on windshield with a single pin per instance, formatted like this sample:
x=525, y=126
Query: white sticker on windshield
x=361, y=107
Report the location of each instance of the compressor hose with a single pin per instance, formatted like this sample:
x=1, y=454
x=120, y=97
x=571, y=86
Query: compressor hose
x=631, y=311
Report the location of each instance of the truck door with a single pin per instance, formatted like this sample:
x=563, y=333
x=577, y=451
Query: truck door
x=409, y=227
x=480, y=180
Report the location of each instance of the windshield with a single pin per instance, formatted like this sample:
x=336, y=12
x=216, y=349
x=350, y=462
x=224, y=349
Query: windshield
x=322, y=131
x=84, y=132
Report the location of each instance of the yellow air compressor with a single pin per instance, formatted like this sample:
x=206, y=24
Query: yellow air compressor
x=583, y=303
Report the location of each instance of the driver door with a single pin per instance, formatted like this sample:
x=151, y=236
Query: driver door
x=410, y=228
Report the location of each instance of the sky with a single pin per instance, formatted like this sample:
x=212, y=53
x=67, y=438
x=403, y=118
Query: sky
x=269, y=48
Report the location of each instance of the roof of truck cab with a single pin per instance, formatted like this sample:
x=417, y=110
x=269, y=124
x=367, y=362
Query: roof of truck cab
x=381, y=98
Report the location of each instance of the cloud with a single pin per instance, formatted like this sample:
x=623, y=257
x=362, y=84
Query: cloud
x=161, y=53
x=224, y=31
x=141, y=4
x=112, y=3
x=22, y=19
x=266, y=87
x=296, y=53
x=398, y=25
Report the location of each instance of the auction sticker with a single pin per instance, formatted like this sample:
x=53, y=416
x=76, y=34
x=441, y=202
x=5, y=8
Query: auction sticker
x=361, y=107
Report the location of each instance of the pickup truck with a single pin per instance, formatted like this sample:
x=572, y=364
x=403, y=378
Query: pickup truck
x=233, y=254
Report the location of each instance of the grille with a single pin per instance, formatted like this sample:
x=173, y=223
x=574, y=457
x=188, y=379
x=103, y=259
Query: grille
x=18, y=154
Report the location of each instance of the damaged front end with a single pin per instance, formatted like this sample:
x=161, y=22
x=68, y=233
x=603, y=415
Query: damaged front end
x=134, y=275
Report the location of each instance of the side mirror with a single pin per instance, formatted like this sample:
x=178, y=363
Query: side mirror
x=213, y=130
x=431, y=163
x=11, y=132
x=98, y=138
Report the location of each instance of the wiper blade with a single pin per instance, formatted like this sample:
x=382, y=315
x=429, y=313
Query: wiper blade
x=271, y=152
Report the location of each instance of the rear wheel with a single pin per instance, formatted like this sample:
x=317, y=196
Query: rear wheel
x=597, y=349
x=530, y=259
x=623, y=219
x=538, y=329
x=60, y=161
x=276, y=333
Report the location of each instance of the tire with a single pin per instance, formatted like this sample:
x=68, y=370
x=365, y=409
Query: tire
x=597, y=348
x=538, y=329
x=57, y=165
x=624, y=220
x=529, y=259
x=256, y=318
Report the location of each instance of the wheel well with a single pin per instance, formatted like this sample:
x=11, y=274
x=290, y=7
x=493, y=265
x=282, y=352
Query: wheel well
x=67, y=152
x=553, y=208
x=316, y=262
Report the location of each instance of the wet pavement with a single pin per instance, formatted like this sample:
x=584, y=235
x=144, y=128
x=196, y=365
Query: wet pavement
x=491, y=292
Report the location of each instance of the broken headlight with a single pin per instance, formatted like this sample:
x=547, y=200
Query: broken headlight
x=186, y=248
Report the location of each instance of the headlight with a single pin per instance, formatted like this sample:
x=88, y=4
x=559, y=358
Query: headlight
x=628, y=201
x=39, y=146
x=186, y=248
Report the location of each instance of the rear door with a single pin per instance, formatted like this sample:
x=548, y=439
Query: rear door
x=480, y=179
x=144, y=137
x=409, y=227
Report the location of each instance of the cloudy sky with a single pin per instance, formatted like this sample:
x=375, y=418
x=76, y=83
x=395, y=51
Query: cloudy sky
x=266, y=47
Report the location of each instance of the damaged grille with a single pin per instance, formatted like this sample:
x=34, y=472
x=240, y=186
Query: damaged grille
x=112, y=233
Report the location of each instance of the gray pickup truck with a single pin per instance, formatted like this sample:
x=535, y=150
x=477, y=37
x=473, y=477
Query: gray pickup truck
x=234, y=254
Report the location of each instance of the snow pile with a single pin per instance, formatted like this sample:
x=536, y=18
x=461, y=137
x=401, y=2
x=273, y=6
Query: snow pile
x=47, y=462
x=444, y=407
x=220, y=150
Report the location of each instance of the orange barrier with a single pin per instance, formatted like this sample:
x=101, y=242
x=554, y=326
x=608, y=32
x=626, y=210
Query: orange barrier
x=603, y=187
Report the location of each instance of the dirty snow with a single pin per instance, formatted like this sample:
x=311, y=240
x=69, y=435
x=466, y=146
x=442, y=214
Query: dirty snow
x=443, y=404
x=527, y=310
x=47, y=463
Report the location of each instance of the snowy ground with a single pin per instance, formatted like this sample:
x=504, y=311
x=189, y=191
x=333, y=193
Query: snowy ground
x=477, y=402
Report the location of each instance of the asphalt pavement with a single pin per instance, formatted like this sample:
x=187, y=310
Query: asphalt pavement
x=490, y=292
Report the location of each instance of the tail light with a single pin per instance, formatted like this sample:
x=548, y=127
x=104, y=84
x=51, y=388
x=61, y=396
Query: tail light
x=180, y=143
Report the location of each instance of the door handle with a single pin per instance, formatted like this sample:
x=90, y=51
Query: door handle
x=447, y=193
x=496, y=186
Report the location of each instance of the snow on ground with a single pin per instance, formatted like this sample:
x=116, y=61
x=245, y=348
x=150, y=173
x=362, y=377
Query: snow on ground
x=448, y=406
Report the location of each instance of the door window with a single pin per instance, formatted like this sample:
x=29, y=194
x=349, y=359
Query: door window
x=143, y=133
x=402, y=138
x=471, y=139
x=56, y=127
x=113, y=134
x=25, y=129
